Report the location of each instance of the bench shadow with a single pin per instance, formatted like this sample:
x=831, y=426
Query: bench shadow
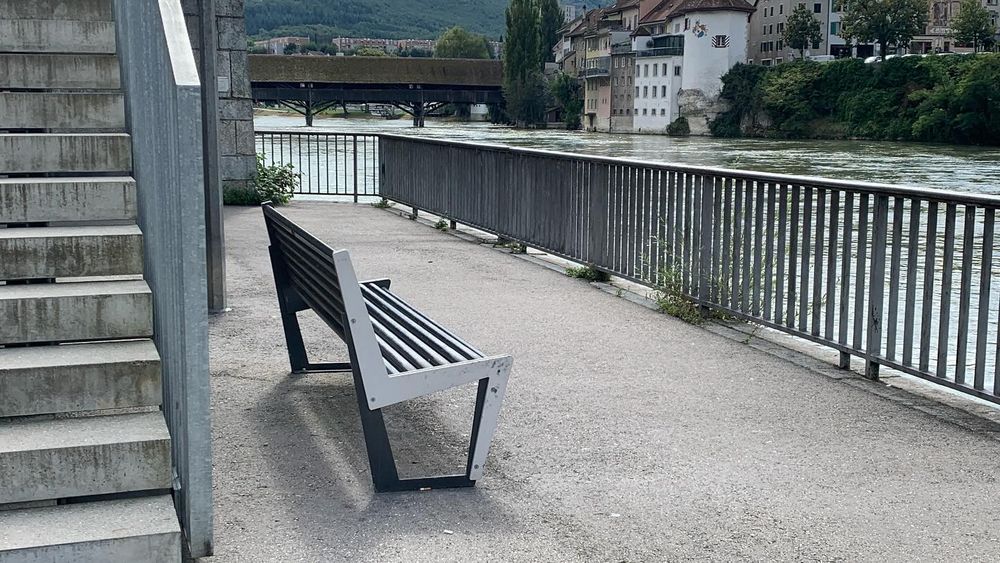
x=311, y=425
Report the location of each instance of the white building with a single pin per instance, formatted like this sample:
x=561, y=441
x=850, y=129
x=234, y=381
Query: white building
x=683, y=48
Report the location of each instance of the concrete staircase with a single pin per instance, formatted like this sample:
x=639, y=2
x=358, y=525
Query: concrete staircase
x=85, y=468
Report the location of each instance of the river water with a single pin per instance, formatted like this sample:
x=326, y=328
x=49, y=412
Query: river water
x=950, y=167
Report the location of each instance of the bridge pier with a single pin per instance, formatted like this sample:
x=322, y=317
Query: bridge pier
x=418, y=114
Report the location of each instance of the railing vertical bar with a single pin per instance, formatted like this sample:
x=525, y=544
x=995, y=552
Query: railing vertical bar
x=748, y=193
x=944, y=320
x=735, y=295
x=793, y=257
x=670, y=221
x=894, y=276
x=807, y=220
x=873, y=343
x=817, y=283
x=845, y=277
x=831, y=264
x=927, y=302
x=758, y=250
x=725, y=291
x=910, y=300
x=698, y=183
x=985, y=287
x=965, y=293
x=769, y=253
x=688, y=207
x=705, y=242
x=779, y=281
x=859, y=273
x=717, y=220
x=355, y=139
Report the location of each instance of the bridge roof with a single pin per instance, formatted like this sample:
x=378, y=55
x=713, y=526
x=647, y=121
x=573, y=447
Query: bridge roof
x=375, y=70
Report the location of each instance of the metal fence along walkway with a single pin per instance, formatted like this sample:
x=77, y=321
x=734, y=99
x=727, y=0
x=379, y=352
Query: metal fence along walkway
x=900, y=277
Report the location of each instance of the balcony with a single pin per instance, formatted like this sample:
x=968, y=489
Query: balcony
x=661, y=52
x=623, y=49
x=598, y=67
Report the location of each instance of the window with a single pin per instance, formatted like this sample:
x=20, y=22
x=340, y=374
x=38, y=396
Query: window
x=645, y=91
x=677, y=28
x=687, y=24
x=628, y=111
x=645, y=70
x=636, y=91
x=720, y=41
x=781, y=44
x=781, y=9
x=655, y=68
x=677, y=71
x=781, y=28
x=664, y=69
x=663, y=112
x=765, y=29
x=771, y=28
x=663, y=91
x=815, y=44
x=834, y=28
x=817, y=8
x=654, y=91
x=643, y=111
x=637, y=70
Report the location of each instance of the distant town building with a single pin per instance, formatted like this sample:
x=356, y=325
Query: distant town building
x=276, y=45
x=410, y=44
x=937, y=36
x=571, y=12
x=346, y=44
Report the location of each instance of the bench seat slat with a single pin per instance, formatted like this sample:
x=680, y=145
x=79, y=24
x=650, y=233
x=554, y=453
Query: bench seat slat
x=413, y=347
x=400, y=346
x=467, y=351
x=434, y=350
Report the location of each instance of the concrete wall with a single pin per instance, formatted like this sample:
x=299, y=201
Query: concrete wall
x=235, y=108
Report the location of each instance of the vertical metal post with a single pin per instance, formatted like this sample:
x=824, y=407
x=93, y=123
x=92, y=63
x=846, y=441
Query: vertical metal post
x=876, y=289
x=355, y=169
x=215, y=237
x=705, y=281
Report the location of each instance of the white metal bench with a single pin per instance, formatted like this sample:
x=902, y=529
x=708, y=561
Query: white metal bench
x=396, y=352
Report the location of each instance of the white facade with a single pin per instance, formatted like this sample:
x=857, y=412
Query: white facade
x=657, y=81
x=713, y=44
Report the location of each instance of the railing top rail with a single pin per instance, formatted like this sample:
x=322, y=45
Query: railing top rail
x=182, y=63
x=948, y=196
x=313, y=133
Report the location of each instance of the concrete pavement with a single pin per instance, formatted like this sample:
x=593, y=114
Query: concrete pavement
x=626, y=435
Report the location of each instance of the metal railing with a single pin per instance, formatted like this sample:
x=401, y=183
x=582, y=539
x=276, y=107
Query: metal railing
x=868, y=270
x=330, y=164
x=160, y=80
x=661, y=52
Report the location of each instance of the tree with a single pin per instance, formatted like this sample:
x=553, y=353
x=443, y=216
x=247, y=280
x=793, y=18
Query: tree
x=369, y=52
x=886, y=22
x=291, y=49
x=550, y=19
x=456, y=43
x=522, y=78
x=973, y=25
x=801, y=30
x=566, y=92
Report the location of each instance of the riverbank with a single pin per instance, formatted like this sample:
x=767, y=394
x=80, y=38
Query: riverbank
x=942, y=99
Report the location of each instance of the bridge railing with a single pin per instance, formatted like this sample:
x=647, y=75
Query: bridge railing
x=899, y=277
x=329, y=164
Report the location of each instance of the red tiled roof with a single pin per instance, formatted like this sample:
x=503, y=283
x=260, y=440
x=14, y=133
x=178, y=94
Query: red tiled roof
x=688, y=6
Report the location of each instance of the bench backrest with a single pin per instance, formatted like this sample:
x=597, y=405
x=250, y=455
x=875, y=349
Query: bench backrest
x=325, y=280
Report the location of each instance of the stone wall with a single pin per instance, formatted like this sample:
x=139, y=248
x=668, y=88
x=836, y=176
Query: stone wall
x=235, y=109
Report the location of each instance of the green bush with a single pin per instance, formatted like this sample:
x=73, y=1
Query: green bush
x=679, y=128
x=275, y=182
x=934, y=99
x=588, y=273
x=240, y=196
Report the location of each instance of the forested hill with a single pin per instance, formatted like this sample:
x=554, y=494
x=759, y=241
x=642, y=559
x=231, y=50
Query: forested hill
x=394, y=19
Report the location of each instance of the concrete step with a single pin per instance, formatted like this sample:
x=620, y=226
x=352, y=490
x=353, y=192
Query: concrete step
x=79, y=377
x=66, y=312
x=70, y=252
x=59, y=72
x=34, y=200
x=56, y=36
x=38, y=153
x=76, y=457
x=80, y=10
x=139, y=529
x=50, y=110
